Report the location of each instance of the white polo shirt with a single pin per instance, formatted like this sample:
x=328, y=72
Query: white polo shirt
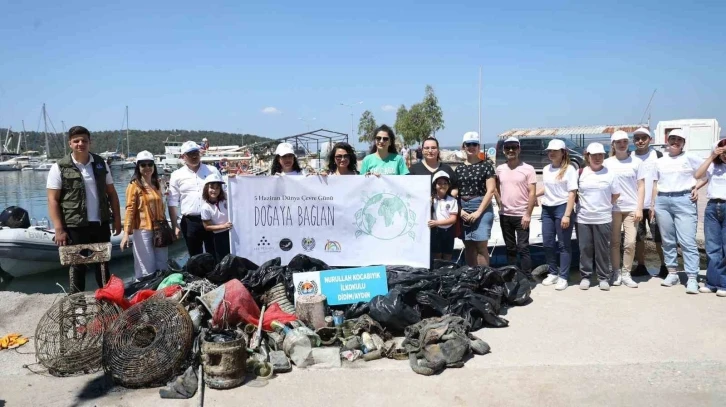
x=444, y=208
x=675, y=174
x=186, y=186
x=628, y=172
x=716, y=181
x=89, y=184
x=217, y=213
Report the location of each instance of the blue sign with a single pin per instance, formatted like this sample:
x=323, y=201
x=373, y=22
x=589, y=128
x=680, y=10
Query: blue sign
x=350, y=286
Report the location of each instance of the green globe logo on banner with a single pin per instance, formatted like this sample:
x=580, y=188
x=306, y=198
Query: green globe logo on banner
x=385, y=216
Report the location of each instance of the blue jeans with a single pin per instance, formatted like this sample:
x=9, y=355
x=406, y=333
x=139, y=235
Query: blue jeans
x=557, y=240
x=714, y=226
x=678, y=219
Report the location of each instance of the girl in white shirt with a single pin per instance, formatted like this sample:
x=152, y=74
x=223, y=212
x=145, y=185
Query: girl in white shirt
x=558, y=202
x=675, y=211
x=598, y=190
x=285, y=161
x=444, y=214
x=714, y=219
x=628, y=210
x=215, y=214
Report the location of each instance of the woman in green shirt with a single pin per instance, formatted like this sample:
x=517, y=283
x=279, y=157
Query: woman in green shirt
x=384, y=160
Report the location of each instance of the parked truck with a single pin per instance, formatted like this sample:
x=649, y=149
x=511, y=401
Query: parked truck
x=701, y=134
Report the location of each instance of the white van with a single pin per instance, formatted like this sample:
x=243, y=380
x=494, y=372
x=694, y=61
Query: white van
x=701, y=134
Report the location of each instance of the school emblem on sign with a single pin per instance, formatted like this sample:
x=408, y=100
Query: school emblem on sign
x=263, y=245
x=331, y=246
x=308, y=244
x=307, y=287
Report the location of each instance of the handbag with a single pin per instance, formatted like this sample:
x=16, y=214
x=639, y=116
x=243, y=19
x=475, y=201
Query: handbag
x=163, y=236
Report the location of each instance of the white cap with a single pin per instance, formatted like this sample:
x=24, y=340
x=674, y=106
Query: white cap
x=643, y=130
x=144, y=156
x=440, y=174
x=677, y=133
x=284, y=149
x=471, y=137
x=595, y=148
x=213, y=177
x=556, y=144
x=204, y=139
x=511, y=140
x=189, y=146
x=618, y=135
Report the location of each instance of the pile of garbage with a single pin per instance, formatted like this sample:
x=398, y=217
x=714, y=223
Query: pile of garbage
x=234, y=323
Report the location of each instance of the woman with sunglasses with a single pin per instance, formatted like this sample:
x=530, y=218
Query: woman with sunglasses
x=342, y=160
x=384, y=159
x=432, y=164
x=477, y=185
x=285, y=162
x=144, y=205
x=714, y=219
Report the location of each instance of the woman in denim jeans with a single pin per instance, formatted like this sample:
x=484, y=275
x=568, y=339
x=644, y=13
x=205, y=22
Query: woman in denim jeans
x=560, y=189
x=714, y=220
x=675, y=211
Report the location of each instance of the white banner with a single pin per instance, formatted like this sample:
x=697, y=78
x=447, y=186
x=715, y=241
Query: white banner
x=341, y=220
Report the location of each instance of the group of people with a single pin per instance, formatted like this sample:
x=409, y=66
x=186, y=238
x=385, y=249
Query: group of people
x=627, y=191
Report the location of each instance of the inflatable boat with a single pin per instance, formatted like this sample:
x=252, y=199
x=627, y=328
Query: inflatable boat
x=31, y=250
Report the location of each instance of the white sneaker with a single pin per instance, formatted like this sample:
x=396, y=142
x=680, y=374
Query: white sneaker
x=585, y=284
x=706, y=290
x=721, y=293
x=562, y=285
x=604, y=286
x=551, y=279
x=617, y=278
x=628, y=281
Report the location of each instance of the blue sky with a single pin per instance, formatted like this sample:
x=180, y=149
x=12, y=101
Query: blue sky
x=219, y=65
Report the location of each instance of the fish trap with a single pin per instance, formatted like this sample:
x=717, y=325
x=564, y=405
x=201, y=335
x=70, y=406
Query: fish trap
x=69, y=337
x=147, y=345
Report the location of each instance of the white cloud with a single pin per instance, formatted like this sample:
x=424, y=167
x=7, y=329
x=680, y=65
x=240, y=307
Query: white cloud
x=388, y=108
x=271, y=110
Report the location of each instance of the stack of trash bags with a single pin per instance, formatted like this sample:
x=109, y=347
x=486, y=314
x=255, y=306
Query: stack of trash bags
x=245, y=328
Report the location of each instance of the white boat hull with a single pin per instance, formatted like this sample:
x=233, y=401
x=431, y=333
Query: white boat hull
x=25, y=252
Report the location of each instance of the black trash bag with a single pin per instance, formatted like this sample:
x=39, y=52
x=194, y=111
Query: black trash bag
x=150, y=282
x=405, y=275
x=517, y=286
x=15, y=217
x=352, y=311
x=391, y=312
x=267, y=275
x=477, y=310
x=430, y=304
x=302, y=262
x=231, y=267
x=201, y=265
x=444, y=264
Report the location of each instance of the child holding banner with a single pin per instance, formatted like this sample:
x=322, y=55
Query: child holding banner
x=444, y=213
x=215, y=214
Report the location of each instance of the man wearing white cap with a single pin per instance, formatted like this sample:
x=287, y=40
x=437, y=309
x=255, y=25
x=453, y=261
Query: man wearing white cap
x=628, y=210
x=675, y=211
x=642, y=139
x=185, y=194
x=516, y=182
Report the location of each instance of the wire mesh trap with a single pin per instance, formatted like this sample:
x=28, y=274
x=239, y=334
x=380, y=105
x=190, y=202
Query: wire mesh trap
x=69, y=337
x=148, y=343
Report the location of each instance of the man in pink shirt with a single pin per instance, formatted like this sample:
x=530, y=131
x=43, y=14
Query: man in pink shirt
x=516, y=182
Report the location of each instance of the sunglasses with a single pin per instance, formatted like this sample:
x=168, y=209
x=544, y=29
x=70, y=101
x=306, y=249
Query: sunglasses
x=192, y=154
x=342, y=157
x=146, y=164
x=511, y=147
x=382, y=139
x=471, y=144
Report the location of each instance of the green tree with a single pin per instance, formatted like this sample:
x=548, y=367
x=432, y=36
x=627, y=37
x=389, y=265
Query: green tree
x=432, y=111
x=366, y=126
x=401, y=125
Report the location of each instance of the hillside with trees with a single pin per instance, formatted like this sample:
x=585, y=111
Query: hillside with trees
x=139, y=140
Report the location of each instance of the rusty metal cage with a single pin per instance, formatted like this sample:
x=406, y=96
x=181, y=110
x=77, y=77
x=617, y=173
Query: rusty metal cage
x=69, y=337
x=147, y=344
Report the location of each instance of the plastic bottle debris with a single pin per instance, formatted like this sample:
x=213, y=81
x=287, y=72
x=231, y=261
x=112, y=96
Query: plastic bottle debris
x=351, y=355
x=298, y=348
x=368, y=344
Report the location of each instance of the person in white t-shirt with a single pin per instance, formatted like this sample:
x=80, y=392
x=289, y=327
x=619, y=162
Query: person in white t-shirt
x=714, y=219
x=628, y=210
x=443, y=216
x=649, y=156
x=598, y=190
x=558, y=203
x=285, y=161
x=215, y=214
x=675, y=211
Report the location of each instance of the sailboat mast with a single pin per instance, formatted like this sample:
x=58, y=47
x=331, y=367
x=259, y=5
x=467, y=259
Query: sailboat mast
x=21, y=137
x=45, y=131
x=128, y=148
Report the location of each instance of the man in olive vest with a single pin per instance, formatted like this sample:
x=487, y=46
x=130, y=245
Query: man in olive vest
x=82, y=202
